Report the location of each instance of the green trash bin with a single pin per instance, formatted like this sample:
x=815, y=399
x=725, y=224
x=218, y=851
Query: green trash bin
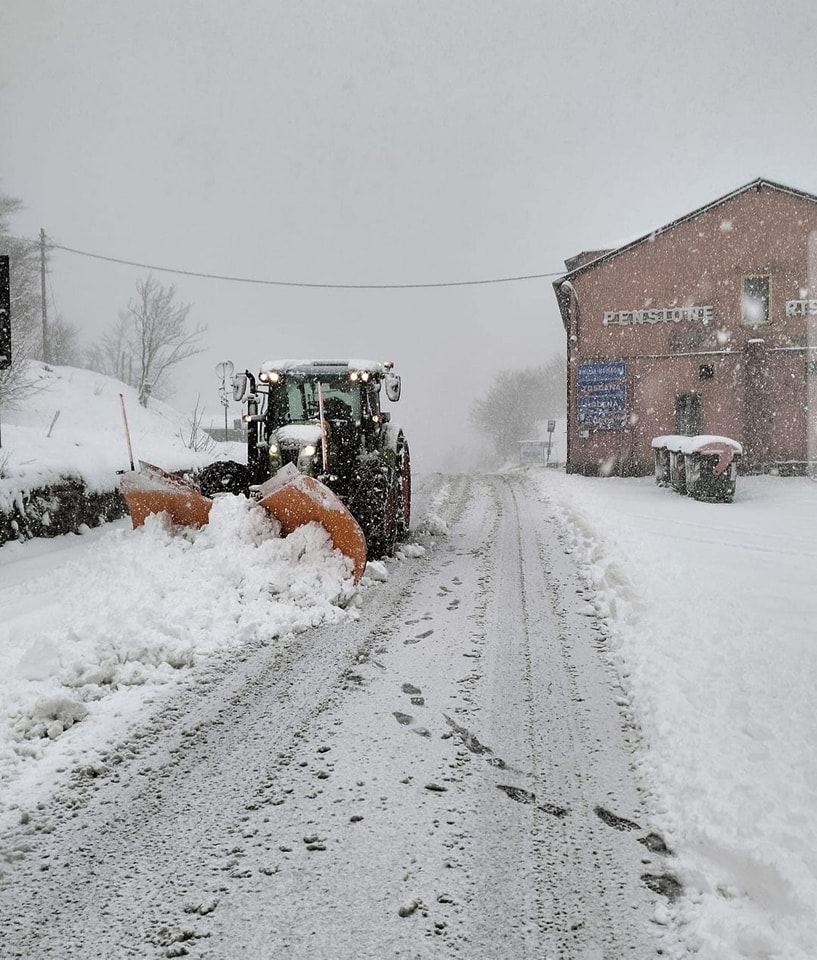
x=710, y=466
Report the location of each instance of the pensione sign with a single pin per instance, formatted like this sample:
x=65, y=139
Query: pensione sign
x=627, y=318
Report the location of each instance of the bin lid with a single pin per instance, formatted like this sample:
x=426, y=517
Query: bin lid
x=682, y=444
x=708, y=442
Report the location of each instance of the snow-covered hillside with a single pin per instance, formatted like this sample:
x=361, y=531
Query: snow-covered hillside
x=69, y=422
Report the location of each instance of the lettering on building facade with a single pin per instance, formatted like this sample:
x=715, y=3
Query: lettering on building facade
x=801, y=308
x=626, y=318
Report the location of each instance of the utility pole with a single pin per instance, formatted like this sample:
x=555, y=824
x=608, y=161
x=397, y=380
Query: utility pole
x=46, y=351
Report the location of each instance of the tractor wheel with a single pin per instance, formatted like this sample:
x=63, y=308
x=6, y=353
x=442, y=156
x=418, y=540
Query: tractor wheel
x=380, y=521
x=224, y=476
x=403, y=491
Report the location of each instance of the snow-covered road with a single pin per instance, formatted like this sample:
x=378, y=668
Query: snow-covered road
x=447, y=775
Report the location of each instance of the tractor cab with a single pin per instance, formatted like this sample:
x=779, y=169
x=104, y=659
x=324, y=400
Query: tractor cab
x=321, y=415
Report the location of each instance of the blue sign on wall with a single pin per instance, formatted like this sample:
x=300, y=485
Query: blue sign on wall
x=601, y=395
x=605, y=371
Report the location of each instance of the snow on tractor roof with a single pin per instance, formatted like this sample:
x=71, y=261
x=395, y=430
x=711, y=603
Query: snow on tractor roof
x=332, y=367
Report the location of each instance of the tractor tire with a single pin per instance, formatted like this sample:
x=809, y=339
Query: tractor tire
x=224, y=476
x=403, y=491
x=379, y=517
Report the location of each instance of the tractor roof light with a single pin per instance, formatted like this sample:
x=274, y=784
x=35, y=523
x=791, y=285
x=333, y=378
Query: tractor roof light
x=270, y=376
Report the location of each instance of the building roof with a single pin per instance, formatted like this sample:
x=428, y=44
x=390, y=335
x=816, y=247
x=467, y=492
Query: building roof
x=582, y=267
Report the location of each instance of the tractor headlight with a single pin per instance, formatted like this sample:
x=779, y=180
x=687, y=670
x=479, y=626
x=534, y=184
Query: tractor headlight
x=270, y=376
x=305, y=457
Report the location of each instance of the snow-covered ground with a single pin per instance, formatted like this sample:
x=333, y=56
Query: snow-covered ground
x=709, y=613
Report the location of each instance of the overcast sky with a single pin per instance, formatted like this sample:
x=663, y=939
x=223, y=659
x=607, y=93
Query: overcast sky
x=367, y=141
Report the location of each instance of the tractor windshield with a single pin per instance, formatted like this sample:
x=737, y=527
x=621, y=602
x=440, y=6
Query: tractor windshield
x=296, y=401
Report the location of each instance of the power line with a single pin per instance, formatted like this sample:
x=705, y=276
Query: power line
x=295, y=283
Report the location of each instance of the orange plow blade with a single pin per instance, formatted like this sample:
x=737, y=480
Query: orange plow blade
x=292, y=498
x=295, y=499
x=153, y=490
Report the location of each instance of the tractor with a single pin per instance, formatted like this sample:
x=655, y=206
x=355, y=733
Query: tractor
x=323, y=417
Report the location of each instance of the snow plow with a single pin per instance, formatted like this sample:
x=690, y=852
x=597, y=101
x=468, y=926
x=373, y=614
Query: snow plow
x=319, y=449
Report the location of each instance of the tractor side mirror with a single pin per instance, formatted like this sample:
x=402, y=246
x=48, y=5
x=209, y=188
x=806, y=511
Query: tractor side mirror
x=240, y=384
x=393, y=385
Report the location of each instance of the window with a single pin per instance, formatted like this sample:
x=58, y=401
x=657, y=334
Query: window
x=754, y=304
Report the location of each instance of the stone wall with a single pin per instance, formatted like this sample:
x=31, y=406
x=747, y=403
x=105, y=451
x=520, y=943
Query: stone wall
x=59, y=508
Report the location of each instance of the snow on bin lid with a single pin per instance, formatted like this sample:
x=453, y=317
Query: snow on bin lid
x=707, y=442
x=682, y=444
x=670, y=441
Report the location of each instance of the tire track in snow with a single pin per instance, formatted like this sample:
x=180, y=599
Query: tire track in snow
x=544, y=677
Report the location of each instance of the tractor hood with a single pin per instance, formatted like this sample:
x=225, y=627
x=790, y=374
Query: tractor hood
x=299, y=435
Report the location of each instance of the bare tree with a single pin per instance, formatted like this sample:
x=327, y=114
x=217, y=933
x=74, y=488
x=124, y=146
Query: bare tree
x=113, y=355
x=149, y=339
x=516, y=400
x=63, y=343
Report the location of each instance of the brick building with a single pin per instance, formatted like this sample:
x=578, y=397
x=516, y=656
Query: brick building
x=706, y=325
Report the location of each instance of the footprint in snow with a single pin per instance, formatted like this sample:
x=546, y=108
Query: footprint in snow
x=664, y=884
x=525, y=796
x=614, y=821
x=654, y=842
